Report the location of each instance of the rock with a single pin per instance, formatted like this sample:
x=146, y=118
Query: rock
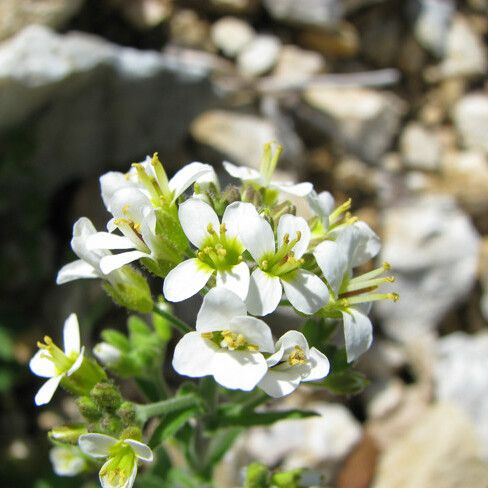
x=427, y=242
x=465, y=54
x=364, y=120
x=463, y=170
x=432, y=24
x=259, y=56
x=17, y=14
x=310, y=13
x=188, y=29
x=90, y=103
x=312, y=442
x=470, y=116
x=420, y=147
x=484, y=278
x=240, y=137
x=440, y=451
x=231, y=6
x=295, y=64
x=461, y=362
x=231, y=35
x=146, y=14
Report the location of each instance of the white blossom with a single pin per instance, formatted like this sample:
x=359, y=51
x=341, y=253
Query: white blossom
x=120, y=469
x=293, y=362
x=53, y=363
x=227, y=344
x=67, y=460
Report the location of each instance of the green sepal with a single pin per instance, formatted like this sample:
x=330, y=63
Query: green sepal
x=116, y=339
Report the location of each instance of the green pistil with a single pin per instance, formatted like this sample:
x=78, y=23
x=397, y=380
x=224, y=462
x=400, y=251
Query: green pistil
x=284, y=260
x=62, y=362
x=270, y=160
x=218, y=251
x=161, y=177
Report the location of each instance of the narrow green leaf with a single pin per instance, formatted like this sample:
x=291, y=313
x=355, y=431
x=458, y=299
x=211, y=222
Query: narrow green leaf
x=171, y=424
x=219, y=445
x=344, y=383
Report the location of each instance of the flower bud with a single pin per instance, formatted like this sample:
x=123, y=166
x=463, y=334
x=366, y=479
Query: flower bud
x=251, y=195
x=106, y=395
x=107, y=354
x=111, y=424
x=131, y=432
x=127, y=413
x=89, y=409
x=231, y=194
x=67, y=434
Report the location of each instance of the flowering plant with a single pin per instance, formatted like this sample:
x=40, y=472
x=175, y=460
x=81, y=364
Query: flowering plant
x=245, y=250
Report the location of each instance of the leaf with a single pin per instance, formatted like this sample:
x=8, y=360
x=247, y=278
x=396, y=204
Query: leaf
x=219, y=445
x=257, y=476
x=162, y=326
x=344, y=383
x=177, y=478
x=171, y=424
x=116, y=338
x=137, y=327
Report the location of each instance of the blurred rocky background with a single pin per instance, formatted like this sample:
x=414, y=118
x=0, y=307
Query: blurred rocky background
x=384, y=101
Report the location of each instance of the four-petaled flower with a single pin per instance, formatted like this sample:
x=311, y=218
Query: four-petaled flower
x=281, y=267
x=293, y=362
x=227, y=343
x=120, y=469
x=67, y=460
x=53, y=363
x=219, y=250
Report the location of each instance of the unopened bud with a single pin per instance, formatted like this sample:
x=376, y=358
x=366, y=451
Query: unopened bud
x=67, y=434
x=89, y=409
x=231, y=194
x=127, y=413
x=106, y=395
x=111, y=424
x=131, y=432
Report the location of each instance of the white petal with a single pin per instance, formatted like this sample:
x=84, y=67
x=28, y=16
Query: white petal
x=193, y=355
x=41, y=366
x=116, y=261
x=257, y=236
x=107, y=354
x=219, y=307
x=83, y=227
x=358, y=333
x=255, y=331
x=264, y=293
x=76, y=270
x=291, y=225
x=195, y=216
x=106, y=240
x=238, y=370
x=76, y=365
x=239, y=215
x=47, y=390
x=187, y=279
x=322, y=204
x=280, y=383
x=244, y=173
x=306, y=291
x=275, y=358
x=320, y=365
x=290, y=339
x=71, y=335
x=142, y=451
x=111, y=182
x=367, y=244
x=109, y=481
x=186, y=176
x=236, y=280
x=297, y=189
x=96, y=445
x=333, y=262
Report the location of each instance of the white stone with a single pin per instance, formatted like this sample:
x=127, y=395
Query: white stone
x=461, y=366
x=433, y=249
x=327, y=438
x=231, y=35
x=471, y=120
x=364, y=120
x=295, y=63
x=259, y=56
x=316, y=13
x=421, y=147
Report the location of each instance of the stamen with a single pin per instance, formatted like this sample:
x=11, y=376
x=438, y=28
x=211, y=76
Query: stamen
x=394, y=297
x=210, y=229
x=297, y=356
x=372, y=274
x=358, y=285
x=161, y=177
x=223, y=229
x=340, y=210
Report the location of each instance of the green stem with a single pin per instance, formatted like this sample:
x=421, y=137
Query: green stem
x=145, y=412
x=254, y=400
x=177, y=323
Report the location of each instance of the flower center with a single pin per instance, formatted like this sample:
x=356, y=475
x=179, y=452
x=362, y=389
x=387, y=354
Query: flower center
x=119, y=468
x=226, y=339
x=61, y=362
x=297, y=356
x=219, y=251
x=284, y=260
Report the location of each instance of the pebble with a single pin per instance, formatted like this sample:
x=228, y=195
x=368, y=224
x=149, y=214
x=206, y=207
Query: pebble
x=231, y=35
x=259, y=56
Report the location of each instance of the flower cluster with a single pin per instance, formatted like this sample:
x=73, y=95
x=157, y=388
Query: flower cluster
x=247, y=252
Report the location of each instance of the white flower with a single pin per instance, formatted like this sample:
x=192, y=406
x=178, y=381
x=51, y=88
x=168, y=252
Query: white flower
x=251, y=175
x=220, y=250
x=322, y=204
x=88, y=266
x=293, y=362
x=280, y=268
x=67, y=460
x=107, y=354
x=227, y=344
x=355, y=245
x=120, y=469
x=53, y=363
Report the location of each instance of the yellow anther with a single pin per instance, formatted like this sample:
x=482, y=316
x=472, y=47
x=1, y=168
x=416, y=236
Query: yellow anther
x=221, y=252
x=121, y=221
x=137, y=227
x=207, y=335
x=390, y=279
x=239, y=259
x=386, y=266
x=207, y=250
x=394, y=296
x=155, y=159
x=223, y=229
x=299, y=235
x=264, y=264
x=125, y=209
x=200, y=255
x=297, y=356
x=286, y=238
x=210, y=229
x=232, y=340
